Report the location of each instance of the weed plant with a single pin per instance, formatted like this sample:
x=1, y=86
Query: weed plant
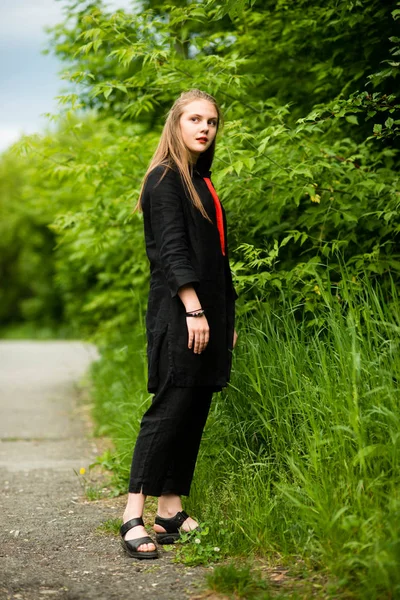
x=300, y=455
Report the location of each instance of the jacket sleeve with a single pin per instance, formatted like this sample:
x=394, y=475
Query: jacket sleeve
x=170, y=234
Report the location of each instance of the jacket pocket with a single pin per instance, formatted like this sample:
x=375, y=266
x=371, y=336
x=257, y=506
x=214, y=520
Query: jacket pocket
x=155, y=347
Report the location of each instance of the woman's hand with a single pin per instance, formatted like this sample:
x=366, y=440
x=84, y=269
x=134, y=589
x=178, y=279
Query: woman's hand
x=198, y=329
x=235, y=337
x=198, y=333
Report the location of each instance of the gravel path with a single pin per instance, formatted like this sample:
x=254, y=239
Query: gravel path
x=49, y=546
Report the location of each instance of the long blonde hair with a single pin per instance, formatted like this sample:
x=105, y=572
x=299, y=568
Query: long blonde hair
x=172, y=151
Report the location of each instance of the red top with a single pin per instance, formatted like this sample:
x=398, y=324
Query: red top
x=218, y=212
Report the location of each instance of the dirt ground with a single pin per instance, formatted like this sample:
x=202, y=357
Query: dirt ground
x=49, y=542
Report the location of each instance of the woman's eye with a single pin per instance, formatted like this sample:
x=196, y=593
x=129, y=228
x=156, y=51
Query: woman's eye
x=214, y=123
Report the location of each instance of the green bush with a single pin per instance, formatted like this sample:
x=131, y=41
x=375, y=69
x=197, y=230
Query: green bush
x=307, y=166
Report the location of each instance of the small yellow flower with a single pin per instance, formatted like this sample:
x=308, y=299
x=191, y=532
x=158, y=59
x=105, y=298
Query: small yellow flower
x=316, y=198
x=82, y=471
x=316, y=289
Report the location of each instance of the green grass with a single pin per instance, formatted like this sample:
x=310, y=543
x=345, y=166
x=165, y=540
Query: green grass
x=238, y=582
x=110, y=526
x=300, y=455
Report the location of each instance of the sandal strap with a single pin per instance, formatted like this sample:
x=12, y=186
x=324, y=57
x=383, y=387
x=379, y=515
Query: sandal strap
x=130, y=525
x=172, y=524
x=137, y=542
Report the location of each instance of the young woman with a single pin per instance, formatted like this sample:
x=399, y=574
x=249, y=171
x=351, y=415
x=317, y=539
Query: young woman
x=189, y=319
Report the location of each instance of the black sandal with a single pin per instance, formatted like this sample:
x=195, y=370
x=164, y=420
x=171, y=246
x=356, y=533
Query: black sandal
x=172, y=528
x=131, y=546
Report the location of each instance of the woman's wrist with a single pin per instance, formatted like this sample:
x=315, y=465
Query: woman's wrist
x=189, y=298
x=195, y=313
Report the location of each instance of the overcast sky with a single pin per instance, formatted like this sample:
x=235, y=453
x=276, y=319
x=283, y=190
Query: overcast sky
x=29, y=80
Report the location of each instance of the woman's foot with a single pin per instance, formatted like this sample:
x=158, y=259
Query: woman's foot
x=188, y=525
x=135, y=507
x=168, y=506
x=137, y=532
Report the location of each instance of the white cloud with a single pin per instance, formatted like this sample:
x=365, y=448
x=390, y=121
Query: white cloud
x=10, y=134
x=29, y=80
x=22, y=20
x=25, y=19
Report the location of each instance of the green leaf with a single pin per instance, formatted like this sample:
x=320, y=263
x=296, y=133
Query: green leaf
x=121, y=87
x=238, y=166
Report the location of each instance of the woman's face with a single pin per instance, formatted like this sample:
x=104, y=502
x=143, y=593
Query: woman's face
x=198, y=124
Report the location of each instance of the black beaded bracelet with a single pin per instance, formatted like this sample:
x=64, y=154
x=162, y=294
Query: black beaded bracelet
x=198, y=313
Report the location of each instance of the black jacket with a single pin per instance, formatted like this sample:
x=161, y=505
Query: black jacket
x=184, y=248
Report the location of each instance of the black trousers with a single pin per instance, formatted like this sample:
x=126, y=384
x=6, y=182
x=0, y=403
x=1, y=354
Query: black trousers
x=169, y=438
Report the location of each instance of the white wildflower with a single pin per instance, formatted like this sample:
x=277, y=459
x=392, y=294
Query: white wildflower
x=197, y=541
